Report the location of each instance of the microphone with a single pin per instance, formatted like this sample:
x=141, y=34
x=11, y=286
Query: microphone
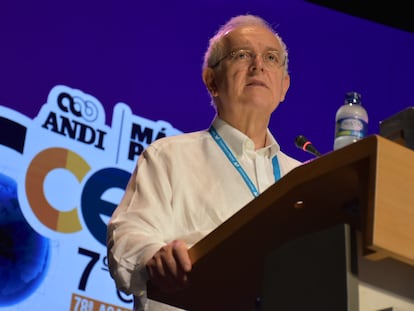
x=303, y=143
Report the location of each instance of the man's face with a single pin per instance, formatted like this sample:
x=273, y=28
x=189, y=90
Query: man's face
x=251, y=78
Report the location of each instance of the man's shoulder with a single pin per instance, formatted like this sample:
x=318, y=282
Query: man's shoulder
x=180, y=140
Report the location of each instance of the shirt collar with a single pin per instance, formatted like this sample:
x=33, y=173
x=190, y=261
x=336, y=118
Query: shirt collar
x=240, y=143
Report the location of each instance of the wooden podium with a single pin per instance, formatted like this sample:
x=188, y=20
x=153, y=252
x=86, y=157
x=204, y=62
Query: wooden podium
x=367, y=186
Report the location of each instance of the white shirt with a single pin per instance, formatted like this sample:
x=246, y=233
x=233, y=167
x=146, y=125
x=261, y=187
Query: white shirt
x=183, y=187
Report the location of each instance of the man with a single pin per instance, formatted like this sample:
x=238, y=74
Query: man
x=185, y=186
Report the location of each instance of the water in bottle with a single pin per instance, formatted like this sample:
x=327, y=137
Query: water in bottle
x=351, y=121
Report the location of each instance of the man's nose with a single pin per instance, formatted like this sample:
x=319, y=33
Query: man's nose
x=257, y=63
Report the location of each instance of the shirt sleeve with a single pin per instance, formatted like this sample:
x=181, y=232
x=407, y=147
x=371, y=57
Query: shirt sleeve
x=142, y=222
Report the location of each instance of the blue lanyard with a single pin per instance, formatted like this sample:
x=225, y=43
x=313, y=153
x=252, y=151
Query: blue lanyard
x=217, y=138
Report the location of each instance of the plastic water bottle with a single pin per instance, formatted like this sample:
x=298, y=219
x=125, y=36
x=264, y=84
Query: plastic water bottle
x=351, y=121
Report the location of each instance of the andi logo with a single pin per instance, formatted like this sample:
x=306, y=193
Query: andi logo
x=69, y=136
x=62, y=175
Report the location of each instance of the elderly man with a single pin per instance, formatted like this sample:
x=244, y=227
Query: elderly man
x=185, y=186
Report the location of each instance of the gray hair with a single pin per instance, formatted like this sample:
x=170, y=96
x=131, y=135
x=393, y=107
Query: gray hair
x=215, y=50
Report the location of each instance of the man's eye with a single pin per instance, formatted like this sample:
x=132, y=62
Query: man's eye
x=272, y=58
x=242, y=55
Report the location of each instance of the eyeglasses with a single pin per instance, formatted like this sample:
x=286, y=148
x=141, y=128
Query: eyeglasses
x=272, y=59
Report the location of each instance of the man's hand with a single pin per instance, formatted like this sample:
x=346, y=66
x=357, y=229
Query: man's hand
x=169, y=267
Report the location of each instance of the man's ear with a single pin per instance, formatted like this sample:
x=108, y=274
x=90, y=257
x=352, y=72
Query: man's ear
x=285, y=86
x=209, y=81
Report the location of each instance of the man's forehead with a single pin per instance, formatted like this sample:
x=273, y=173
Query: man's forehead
x=248, y=34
